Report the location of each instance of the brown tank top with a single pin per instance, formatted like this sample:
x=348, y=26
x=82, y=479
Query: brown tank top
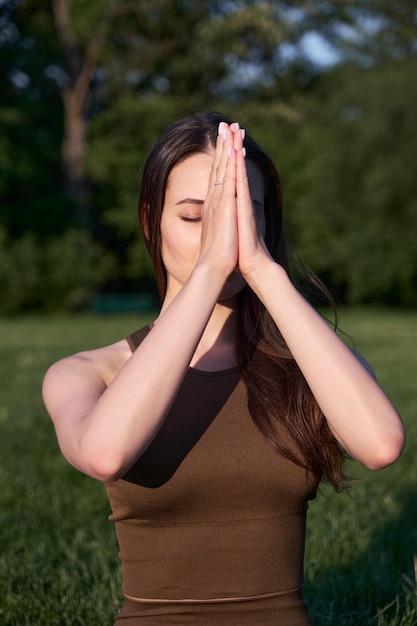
x=210, y=510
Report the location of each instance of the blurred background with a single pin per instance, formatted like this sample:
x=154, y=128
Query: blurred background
x=328, y=88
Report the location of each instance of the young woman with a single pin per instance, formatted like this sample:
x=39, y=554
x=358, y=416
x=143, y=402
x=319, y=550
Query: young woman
x=213, y=427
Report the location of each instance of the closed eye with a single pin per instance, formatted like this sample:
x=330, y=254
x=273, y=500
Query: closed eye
x=190, y=219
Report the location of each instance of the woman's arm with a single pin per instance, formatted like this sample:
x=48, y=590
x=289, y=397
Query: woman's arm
x=359, y=414
x=104, y=423
x=103, y=429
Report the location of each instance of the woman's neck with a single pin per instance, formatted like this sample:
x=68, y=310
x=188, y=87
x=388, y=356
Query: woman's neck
x=216, y=348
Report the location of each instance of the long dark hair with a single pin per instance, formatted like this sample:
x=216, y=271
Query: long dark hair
x=277, y=390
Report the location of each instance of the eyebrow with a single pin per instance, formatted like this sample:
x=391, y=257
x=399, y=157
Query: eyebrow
x=198, y=202
x=190, y=201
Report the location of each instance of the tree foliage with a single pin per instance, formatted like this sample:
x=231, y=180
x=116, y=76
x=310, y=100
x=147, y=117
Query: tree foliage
x=356, y=221
x=86, y=86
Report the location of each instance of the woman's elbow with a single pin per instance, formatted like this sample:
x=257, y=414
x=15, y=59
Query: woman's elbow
x=387, y=451
x=98, y=463
x=106, y=468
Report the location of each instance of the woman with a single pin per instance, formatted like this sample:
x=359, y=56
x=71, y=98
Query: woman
x=213, y=427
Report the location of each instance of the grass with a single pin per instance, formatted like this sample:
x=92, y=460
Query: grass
x=58, y=552
x=361, y=544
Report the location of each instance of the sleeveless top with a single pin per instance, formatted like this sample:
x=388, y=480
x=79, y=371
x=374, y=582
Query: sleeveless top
x=211, y=512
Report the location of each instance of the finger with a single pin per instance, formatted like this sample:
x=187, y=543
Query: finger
x=217, y=155
x=242, y=182
x=234, y=127
x=248, y=225
x=238, y=135
x=227, y=147
x=228, y=189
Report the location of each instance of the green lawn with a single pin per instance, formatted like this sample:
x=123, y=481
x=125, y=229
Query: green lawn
x=58, y=553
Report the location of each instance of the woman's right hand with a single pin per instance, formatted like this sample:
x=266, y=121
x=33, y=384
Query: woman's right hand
x=219, y=234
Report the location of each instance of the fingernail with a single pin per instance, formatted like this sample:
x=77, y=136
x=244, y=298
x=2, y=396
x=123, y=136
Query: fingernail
x=222, y=129
x=242, y=130
x=244, y=152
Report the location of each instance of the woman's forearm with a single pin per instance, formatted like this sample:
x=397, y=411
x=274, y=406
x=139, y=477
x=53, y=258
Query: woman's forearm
x=358, y=412
x=126, y=417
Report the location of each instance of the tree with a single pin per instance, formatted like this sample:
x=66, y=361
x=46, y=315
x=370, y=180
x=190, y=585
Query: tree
x=237, y=50
x=30, y=131
x=355, y=218
x=125, y=69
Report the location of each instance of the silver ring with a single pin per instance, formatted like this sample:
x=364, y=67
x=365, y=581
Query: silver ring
x=219, y=182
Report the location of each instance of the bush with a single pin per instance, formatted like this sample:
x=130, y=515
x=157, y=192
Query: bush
x=61, y=273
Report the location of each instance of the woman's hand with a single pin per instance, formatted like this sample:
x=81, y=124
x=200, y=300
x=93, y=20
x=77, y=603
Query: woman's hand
x=253, y=253
x=219, y=234
x=232, y=233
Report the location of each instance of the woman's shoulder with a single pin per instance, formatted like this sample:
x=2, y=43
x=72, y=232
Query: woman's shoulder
x=99, y=365
x=107, y=360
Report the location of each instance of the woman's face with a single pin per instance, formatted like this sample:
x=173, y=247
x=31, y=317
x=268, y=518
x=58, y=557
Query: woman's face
x=181, y=219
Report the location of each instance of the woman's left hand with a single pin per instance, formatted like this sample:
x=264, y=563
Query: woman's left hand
x=252, y=251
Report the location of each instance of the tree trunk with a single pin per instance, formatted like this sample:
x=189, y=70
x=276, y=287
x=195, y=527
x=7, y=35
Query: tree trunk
x=80, y=66
x=73, y=158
